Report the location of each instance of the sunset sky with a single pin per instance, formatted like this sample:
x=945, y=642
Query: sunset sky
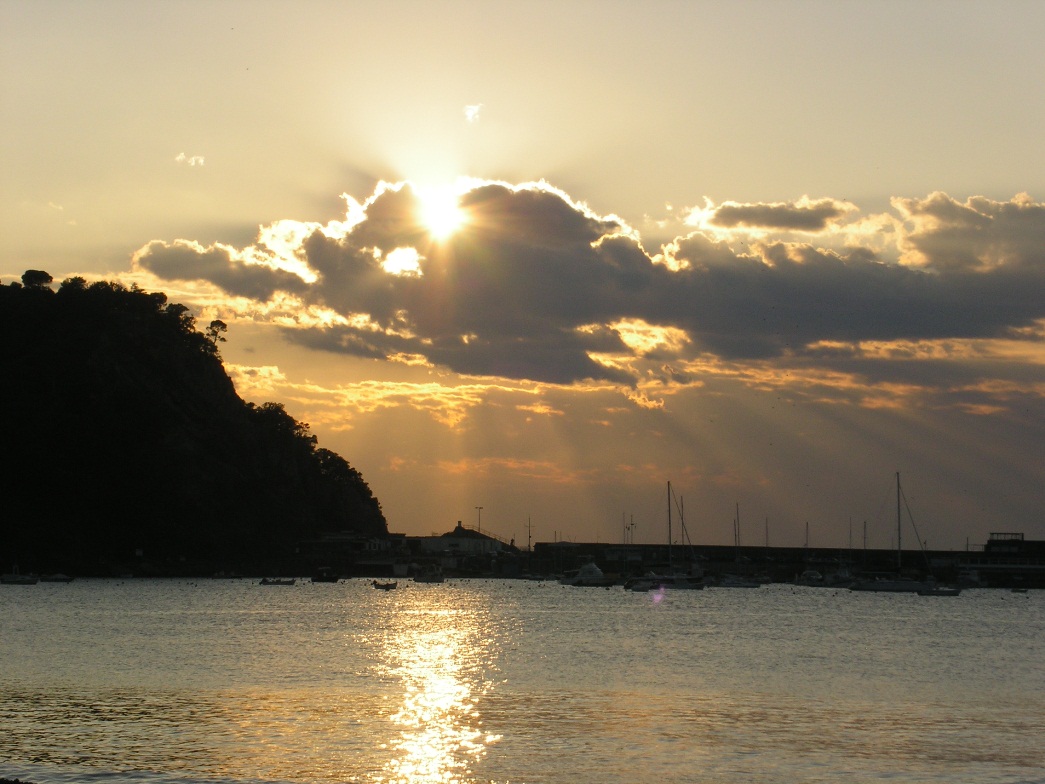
x=544, y=257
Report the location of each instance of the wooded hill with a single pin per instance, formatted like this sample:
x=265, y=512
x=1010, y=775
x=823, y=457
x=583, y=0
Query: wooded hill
x=126, y=447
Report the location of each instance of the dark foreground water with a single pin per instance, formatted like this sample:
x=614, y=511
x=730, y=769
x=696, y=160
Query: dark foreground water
x=488, y=681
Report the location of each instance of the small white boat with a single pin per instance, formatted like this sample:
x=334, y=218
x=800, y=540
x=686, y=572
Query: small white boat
x=589, y=575
x=384, y=586
x=811, y=578
x=939, y=590
x=430, y=573
x=55, y=578
x=278, y=581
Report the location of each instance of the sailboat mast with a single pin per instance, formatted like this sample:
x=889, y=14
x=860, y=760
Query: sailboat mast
x=669, y=522
x=899, y=527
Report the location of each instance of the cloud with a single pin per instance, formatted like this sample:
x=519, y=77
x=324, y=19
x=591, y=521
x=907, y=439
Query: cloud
x=337, y=407
x=255, y=381
x=535, y=286
x=979, y=235
x=193, y=160
x=804, y=215
x=219, y=264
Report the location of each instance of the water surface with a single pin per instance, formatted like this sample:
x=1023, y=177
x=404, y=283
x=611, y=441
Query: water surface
x=125, y=682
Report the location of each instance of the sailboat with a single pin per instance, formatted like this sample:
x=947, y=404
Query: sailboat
x=14, y=577
x=899, y=583
x=737, y=580
x=674, y=579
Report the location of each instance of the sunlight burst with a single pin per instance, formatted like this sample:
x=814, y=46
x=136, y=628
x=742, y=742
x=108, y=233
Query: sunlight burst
x=440, y=211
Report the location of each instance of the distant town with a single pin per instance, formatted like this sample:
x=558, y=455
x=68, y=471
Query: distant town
x=1005, y=560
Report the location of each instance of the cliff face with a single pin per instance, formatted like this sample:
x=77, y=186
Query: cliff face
x=126, y=443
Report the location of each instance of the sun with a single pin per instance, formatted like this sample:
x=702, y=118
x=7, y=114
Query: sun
x=441, y=211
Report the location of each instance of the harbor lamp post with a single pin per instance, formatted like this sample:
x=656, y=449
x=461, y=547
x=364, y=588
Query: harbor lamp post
x=479, y=509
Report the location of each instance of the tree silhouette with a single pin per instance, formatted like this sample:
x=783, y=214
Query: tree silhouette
x=36, y=278
x=125, y=434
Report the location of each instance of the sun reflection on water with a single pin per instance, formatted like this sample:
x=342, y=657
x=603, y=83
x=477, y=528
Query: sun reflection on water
x=439, y=654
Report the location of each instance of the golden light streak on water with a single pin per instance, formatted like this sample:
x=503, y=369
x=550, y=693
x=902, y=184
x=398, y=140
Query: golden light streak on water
x=439, y=654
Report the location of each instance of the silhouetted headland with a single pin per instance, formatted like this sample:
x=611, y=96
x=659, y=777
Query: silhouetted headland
x=128, y=448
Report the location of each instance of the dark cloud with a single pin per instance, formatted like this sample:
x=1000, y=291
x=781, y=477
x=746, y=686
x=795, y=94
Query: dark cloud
x=560, y=359
x=531, y=286
x=351, y=279
x=183, y=260
x=534, y=217
x=979, y=235
x=392, y=220
x=805, y=215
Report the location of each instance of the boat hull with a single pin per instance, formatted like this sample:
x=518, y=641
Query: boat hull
x=940, y=591
x=888, y=586
x=656, y=582
x=18, y=579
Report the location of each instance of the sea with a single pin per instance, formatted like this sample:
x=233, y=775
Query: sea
x=139, y=681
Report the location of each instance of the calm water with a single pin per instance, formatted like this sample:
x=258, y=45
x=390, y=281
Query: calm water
x=486, y=681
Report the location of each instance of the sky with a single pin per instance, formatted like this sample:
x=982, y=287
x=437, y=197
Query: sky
x=523, y=264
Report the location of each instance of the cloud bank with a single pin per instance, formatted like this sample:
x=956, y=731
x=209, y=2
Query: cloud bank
x=535, y=286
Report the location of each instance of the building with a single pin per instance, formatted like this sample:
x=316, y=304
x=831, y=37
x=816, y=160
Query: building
x=1008, y=560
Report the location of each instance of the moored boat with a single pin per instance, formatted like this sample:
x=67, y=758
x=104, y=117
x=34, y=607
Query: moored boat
x=737, y=581
x=651, y=581
x=430, y=573
x=898, y=583
x=889, y=585
x=19, y=579
x=675, y=578
x=939, y=590
x=589, y=575
x=14, y=577
x=277, y=581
